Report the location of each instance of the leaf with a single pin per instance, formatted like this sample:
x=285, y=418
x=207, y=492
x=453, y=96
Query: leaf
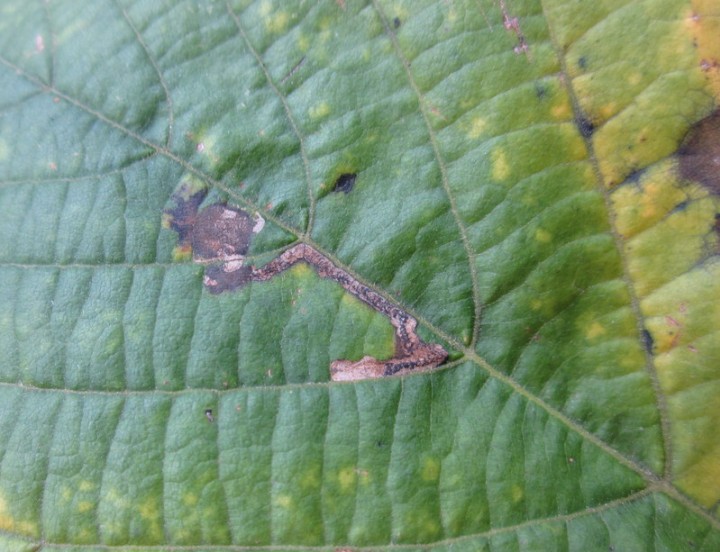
x=531, y=180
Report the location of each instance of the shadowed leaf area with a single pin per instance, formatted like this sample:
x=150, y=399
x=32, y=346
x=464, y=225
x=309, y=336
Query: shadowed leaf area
x=496, y=222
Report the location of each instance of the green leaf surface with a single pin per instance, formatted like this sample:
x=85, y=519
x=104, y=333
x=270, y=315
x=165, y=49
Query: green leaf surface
x=531, y=185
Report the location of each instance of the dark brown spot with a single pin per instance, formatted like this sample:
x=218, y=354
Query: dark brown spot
x=648, y=341
x=582, y=62
x=226, y=277
x=396, y=22
x=209, y=415
x=699, y=153
x=221, y=233
x=345, y=183
x=182, y=217
x=585, y=126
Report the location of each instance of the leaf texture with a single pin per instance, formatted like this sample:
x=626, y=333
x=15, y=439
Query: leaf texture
x=520, y=176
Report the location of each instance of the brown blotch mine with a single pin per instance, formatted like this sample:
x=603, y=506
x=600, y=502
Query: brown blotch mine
x=221, y=233
x=220, y=237
x=182, y=217
x=699, y=154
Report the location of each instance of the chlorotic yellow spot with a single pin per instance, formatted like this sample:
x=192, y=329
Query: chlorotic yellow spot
x=319, y=111
x=86, y=486
x=702, y=482
x=190, y=499
x=543, y=236
x=477, y=126
x=452, y=16
x=430, y=470
x=149, y=509
x=595, y=330
x=634, y=79
x=516, y=493
x=562, y=111
x=277, y=22
x=347, y=478
x=284, y=501
x=9, y=523
x=536, y=304
x=66, y=494
x=84, y=506
x=500, y=167
x=607, y=110
x=311, y=478
x=182, y=253
x=303, y=43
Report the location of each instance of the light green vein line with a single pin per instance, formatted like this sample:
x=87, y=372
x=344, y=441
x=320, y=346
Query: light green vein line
x=650, y=369
x=151, y=59
x=443, y=171
x=288, y=114
x=150, y=144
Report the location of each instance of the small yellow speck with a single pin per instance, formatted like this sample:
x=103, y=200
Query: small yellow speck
x=536, y=304
x=516, y=493
x=634, y=79
x=284, y=501
x=190, y=499
x=84, y=506
x=86, y=485
x=477, y=126
x=346, y=478
x=430, y=469
x=561, y=112
x=500, y=167
x=303, y=43
x=543, y=236
x=319, y=110
x=595, y=330
x=278, y=22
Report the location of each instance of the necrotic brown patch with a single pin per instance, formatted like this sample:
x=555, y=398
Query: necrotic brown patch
x=699, y=154
x=183, y=216
x=221, y=233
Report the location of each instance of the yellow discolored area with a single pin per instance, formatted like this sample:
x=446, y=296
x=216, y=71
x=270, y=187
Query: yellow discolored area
x=595, y=330
x=430, y=469
x=477, y=127
x=86, y=486
x=347, y=477
x=84, y=506
x=500, y=165
x=284, y=501
x=703, y=23
x=318, y=111
x=543, y=236
x=9, y=523
x=517, y=493
x=310, y=479
x=277, y=22
x=190, y=499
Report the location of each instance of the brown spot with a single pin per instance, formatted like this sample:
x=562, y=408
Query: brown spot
x=209, y=415
x=181, y=218
x=226, y=277
x=699, y=153
x=396, y=22
x=221, y=233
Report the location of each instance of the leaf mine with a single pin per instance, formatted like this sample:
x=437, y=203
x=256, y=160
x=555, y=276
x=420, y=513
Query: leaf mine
x=220, y=235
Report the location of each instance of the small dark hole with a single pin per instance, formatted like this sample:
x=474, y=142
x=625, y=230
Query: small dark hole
x=345, y=183
x=585, y=126
x=209, y=415
x=396, y=22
